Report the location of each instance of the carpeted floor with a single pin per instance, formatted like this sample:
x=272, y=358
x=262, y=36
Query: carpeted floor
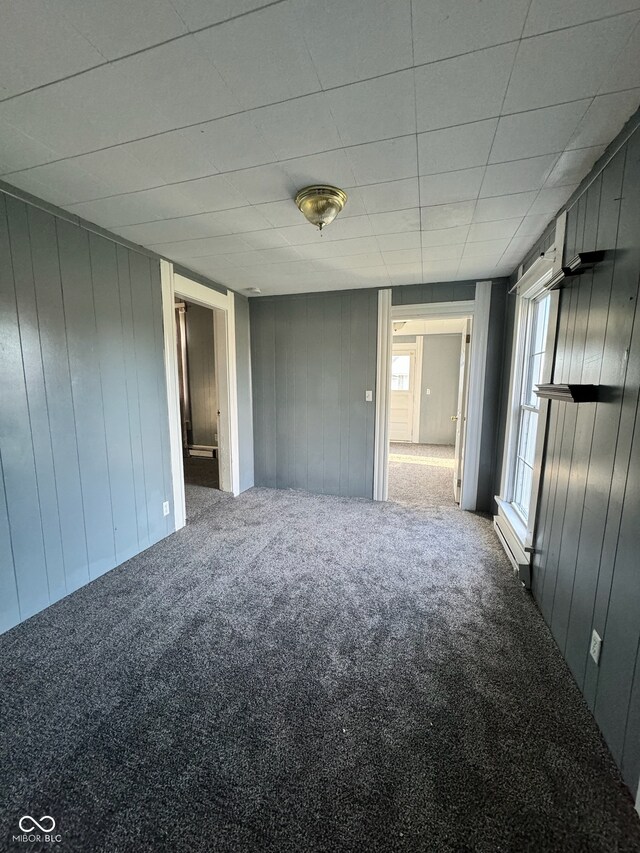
x=293, y=673
x=421, y=475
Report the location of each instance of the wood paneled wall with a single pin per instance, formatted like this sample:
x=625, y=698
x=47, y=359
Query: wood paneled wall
x=586, y=570
x=83, y=420
x=313, y=357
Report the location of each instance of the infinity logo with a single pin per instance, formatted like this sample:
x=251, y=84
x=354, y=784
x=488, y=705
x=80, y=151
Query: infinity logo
x=34, y=823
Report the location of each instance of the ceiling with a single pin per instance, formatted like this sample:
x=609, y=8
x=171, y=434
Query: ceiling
x=457, y=127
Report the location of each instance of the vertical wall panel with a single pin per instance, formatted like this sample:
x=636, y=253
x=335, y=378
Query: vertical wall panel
x=83, y=425
x=244, y=379
x=111, y=357
x=36, y=395
x=55, y=360
x=86, y=393
x=16, y=449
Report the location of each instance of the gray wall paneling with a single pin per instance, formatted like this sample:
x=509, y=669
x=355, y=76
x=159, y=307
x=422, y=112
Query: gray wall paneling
x=83, y=425
x=585, y=571
x=313, y=357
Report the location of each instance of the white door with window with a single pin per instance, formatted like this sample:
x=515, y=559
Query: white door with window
x=403, y=377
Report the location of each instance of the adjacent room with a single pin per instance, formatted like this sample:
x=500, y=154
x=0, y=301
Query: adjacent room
x=319, y=443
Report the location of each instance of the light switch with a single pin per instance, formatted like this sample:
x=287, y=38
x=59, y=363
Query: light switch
x=427, y=390
x=368, y=396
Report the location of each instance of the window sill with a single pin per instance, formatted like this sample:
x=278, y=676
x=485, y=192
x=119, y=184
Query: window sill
x=513, y=531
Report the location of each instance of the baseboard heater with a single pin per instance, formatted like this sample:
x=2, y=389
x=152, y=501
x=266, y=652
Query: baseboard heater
x=523, y=570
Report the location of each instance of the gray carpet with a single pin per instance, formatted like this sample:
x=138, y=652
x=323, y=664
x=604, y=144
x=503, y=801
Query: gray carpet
x=424, y=478
x=295, y=674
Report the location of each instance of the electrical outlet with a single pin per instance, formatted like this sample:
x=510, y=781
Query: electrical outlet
x=595, y=647
x=165, y=508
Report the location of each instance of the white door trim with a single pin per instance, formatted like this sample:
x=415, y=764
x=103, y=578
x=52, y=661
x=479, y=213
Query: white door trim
x=174, y=284
x=478, y=309
x=417, y=390
x=383, y=390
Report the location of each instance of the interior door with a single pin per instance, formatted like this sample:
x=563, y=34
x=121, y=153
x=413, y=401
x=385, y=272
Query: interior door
x=460, y=416
x=403, y=376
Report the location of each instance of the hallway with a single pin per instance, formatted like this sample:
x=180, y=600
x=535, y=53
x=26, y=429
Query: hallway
x=421, y=475
x=296, y=673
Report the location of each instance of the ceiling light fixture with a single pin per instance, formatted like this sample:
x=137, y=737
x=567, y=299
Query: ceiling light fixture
x=321, y=204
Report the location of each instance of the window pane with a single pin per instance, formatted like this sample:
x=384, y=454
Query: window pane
x=400, y=367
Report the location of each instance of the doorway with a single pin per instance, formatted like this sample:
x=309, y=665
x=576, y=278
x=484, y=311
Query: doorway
x=198, y=381
x=467, y=418
x=176, y=289
x=428, y=401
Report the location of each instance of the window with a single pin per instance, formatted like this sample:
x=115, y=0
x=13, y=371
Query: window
x=400, y=369
x=534, y=319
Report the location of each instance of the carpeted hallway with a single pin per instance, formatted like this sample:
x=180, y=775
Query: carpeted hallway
x=421, y=475
x=293, y=673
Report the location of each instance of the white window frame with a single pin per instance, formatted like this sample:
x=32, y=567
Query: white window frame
x=516, y=535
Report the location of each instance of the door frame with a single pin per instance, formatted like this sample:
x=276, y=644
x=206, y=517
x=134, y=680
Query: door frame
x=175, y=284
x=478, y=309
x=416, y=349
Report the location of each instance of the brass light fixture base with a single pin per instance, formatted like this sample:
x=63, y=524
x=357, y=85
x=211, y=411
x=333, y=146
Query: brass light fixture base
x=321, y=204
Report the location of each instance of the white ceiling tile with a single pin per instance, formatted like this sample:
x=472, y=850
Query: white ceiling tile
x=299, y=235
x=443, y=253
x=604, y=118
x=120, y=210
x=536, y=132
x=338, y=248
x=458, y=147
x=63, y=183
x=178, y=81
x=264, y=183
x=498, y=230
x=625, y=71
x=542, y=74
x=518, y=176
x=444, y=270
x=445, y=236
x=551, y=199
x=37, y=46
x=572, y=166
x=233, y=142
x=267, y=239
x=402, y=256
x=262, y=56
x=241, y=220
x=390, y=195
x=492, y=248
x=345, y=228
x=202, y=13
x=374, y=109
x=299, y=127
x=205, y=246
x=445, y=28
x=120, y=26
x=447, y=215
x=407, y=240
x=401, y=274
x=281, y=254
x=205, y=195
x=172, y=156
x=450, y=186
x=173, y=230
x=396, y=221
x=464, y=89
x=332, y=167
x=280, y=214
x=368, y=260
x=356, y=40
x=390, y=160
x=477, y=267
x=19, y=151
x=119, y=170
x=547, y=15
x=533, y=225
x=503, y=207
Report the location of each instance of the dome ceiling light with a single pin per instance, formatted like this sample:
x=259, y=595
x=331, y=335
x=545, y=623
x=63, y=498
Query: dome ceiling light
x=321, y=204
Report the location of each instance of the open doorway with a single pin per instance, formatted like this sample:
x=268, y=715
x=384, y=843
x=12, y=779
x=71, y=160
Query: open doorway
x=428, y=402
x=464, y=475
x=199, y=412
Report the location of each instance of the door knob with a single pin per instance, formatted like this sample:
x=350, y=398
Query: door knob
x=454, y=417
